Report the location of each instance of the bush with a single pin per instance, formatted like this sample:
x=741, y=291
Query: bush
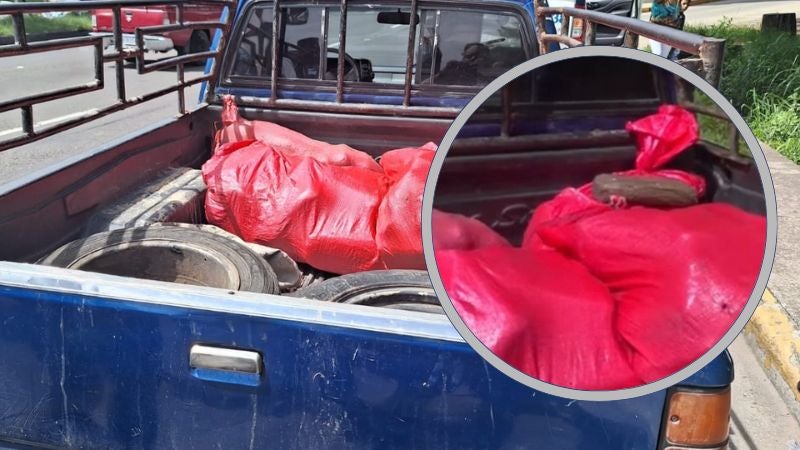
x=761, y=78
x=36, y=23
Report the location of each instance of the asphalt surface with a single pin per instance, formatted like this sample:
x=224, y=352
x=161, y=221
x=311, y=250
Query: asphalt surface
x=37, y=73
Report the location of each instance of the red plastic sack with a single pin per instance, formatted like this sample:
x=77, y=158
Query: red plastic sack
x=540, y=312
x=288, y=142
x=399, y=231
x=662, y=136
x=680, y=277
x=457, y=232
x=318, y=213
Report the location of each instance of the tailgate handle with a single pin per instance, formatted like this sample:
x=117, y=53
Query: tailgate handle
x=227, y=365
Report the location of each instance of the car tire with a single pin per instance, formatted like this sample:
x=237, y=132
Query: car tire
x=408, y=290
x=199, y=42
x=170, y=253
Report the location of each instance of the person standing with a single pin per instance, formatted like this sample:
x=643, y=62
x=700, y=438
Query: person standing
x=668, y=13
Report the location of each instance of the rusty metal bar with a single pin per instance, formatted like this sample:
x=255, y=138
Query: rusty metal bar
x=540, y=25
x=545, y=38
x=588, y=37
x=709, y=49
x=630, y=39
x=47, y=46
x=181, y=92
x=436, y=24
x=709, y=111
x=538, y=142
x=565, y=23
x=412, y=34
x=20, y=37
x=50, y=96
x=733, y=138
x=155, y=29
x=175, y=60
x=90, y=115
x=505, y=101
x=179, y=14
x=341, y=52
x=119, y=66
x=275, y=51
x=351, y=108
x=323, y=52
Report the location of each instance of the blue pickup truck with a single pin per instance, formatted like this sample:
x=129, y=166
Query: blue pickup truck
x=100, y=354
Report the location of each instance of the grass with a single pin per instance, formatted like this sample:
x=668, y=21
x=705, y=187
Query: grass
x=35, y=24
x=761, y=78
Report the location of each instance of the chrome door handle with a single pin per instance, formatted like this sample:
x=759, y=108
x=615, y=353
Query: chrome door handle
x=223, y=364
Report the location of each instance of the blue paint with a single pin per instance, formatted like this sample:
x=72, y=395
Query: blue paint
x=104, y=373
x=228, y=377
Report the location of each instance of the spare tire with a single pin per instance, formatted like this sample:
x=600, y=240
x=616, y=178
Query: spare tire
x=171, y=253
x=409, y=290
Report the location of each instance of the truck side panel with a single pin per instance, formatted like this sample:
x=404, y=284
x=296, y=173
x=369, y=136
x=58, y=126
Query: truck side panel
x=94, y=372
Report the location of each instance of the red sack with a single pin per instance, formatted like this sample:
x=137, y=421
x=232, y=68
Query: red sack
x=662, y=136
x=318, y=213
x=457, y=232
x=680, y=277
x=399, y=233
x=288, y=142
x=540, y=312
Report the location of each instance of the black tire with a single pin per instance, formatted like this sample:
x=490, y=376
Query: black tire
x=169, y=253
x=409, y=290
x=199, y=42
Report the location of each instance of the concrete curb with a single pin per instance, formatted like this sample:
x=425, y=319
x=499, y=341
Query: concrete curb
x=772, y=335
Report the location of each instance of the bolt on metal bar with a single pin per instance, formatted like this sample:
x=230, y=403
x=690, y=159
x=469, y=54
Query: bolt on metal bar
x=341, y=52
x=412, y=35
x=273, y=82
x=119, y=65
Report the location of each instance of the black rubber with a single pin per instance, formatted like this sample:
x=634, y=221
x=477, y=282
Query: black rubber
x=198, y=43
x=169, y=253
x=409, y=290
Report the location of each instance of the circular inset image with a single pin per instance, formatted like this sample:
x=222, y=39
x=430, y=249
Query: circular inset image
x=599, y=223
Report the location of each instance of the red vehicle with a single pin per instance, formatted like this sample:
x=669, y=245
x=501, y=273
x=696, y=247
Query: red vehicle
x=183, y=41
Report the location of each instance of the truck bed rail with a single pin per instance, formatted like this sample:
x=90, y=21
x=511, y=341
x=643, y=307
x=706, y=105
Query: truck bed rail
x=708, y=50
x=31, y=132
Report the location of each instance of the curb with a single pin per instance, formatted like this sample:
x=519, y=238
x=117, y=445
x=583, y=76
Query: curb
x=772, y=335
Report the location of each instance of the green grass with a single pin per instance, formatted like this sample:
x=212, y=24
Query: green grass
x=761, y=78
x=35, y=24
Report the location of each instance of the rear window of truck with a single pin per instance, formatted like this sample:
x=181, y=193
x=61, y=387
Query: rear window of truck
x=451, y=47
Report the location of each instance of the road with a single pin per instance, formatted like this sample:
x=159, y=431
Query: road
x=740, y=12
x=31, y=74
x=760, y=419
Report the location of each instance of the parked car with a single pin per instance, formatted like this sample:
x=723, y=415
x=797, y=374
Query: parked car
x=100, y=358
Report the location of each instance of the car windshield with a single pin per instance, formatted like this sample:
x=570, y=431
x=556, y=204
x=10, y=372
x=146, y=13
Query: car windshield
x=450, y=47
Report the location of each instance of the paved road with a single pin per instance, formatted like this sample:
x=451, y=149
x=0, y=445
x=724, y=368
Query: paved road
x=760, y=419
x=34, y=73
x=740, y=12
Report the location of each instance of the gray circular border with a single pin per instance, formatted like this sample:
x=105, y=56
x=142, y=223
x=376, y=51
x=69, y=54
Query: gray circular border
x=744, y=130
